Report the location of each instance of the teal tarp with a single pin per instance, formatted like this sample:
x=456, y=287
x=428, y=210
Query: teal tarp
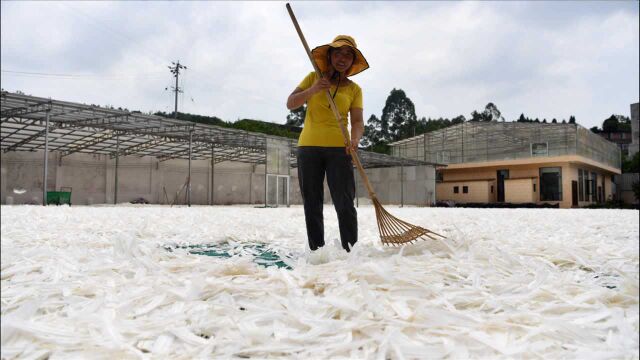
x=261, y=253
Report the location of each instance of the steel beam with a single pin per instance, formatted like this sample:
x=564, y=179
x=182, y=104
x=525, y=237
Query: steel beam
x=139, y=147
x=24, y=110
x=115, y=185
x=46, y=161
x=93, y=122
x=99, y=139
x=189, y=186
x=213, y=162
x=27, y=140
x=18, y=130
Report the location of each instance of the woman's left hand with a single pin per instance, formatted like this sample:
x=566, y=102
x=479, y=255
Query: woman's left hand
x=353, y=147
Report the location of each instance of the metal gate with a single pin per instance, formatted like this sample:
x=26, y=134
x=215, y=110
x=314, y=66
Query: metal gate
x=277, y=172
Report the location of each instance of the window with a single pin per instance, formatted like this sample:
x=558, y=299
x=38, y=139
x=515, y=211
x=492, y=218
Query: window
x=580, y=186
x=456, y=190
x=492, y=189
x=534, y=187
x=594, y=186
x=551, y=184
x=539, y=149
x=439, y=176
x=587, y=186
x=465, y=189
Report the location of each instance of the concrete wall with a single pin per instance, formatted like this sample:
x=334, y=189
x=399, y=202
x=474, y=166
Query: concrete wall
x=625, y=187
x=635, y=129
x=479, y=191
x=92, y=179
x=409, y=185
x=520, y=190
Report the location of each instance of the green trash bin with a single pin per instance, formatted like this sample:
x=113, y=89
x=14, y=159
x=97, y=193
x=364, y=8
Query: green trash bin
x=59, y=197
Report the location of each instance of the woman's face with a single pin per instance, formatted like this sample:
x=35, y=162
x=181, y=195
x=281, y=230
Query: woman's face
x=342, y=58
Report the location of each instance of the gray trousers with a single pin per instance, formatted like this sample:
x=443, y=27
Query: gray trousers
x=313, y=163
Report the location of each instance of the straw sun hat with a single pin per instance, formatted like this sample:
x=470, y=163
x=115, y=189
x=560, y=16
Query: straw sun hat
x=320, y=55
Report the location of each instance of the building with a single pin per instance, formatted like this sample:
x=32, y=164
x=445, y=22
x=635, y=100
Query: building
x=620, y=138
x=635, y=134
x=96, y=155
x=514, y=162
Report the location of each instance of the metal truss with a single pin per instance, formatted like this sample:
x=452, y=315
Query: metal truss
x=75, y=127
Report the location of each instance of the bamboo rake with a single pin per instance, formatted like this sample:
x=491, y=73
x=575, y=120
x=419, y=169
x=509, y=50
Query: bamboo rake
x=393, y=231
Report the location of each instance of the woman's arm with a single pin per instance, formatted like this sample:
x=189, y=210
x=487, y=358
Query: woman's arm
x=298, y=97
x=357, y=127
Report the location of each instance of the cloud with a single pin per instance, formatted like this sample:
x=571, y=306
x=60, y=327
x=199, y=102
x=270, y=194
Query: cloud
x=244, y=58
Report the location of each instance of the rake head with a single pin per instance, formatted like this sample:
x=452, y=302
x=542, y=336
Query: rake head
x=394, y=231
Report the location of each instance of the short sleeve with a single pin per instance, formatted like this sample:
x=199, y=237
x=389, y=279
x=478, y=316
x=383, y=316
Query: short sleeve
x=307, y=81
x=357, y=99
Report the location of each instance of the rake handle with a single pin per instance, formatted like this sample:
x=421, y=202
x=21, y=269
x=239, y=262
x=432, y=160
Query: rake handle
x=332, y=104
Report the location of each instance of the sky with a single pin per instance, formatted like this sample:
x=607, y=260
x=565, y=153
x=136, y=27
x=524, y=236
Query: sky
x=544, y=59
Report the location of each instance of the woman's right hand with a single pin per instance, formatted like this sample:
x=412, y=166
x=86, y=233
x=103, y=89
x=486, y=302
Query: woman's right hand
x=320, y=85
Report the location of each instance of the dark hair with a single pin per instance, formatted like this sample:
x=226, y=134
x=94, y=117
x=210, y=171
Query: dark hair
x=332, y=49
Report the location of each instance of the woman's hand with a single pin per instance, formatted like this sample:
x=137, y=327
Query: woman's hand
x=353, y=147
x=320, y=85
x=298, y=97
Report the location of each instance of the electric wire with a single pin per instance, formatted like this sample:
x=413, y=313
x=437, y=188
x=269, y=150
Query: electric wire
x=156, y=74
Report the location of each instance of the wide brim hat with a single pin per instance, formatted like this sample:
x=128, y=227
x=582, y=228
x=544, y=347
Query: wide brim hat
x=320, y=53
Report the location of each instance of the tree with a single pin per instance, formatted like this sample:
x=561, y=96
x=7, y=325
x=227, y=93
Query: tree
x=372, y=132
x=522, y=118
x=458, y=120
x=554, y=121
x=296, y=116
x=610, y=124
x=572, y=119
x=491, y=113
x=631, y=165
x=476, y=116
x=398, y=117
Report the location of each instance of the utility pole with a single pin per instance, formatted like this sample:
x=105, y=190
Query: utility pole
x=175, y=70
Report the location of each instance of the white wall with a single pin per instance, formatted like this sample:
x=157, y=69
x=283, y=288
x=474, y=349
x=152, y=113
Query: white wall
x=92, y=179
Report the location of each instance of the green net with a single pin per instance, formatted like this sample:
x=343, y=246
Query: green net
x=261, y=253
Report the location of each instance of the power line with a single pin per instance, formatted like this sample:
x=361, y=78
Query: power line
x=119, y=76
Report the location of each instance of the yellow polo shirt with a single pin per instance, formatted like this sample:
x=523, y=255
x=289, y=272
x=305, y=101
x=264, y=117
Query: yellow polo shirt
x=320, y=125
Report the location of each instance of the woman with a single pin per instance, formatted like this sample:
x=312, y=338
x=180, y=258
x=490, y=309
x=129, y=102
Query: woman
x=321, y=147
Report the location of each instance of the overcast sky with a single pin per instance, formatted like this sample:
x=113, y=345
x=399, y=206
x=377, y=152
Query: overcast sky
x=543, y=59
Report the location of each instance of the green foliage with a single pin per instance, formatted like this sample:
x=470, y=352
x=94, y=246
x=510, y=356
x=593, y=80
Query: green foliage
x=244, y=124
x=381, y=148
x=398, y=122
x=201, y=119
x=636, y=190
x=490, y=113
x=265, y=128
x=372, y=135
x=631, y=165
x=614, y=123
x=399, y=114
x=610, y=124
